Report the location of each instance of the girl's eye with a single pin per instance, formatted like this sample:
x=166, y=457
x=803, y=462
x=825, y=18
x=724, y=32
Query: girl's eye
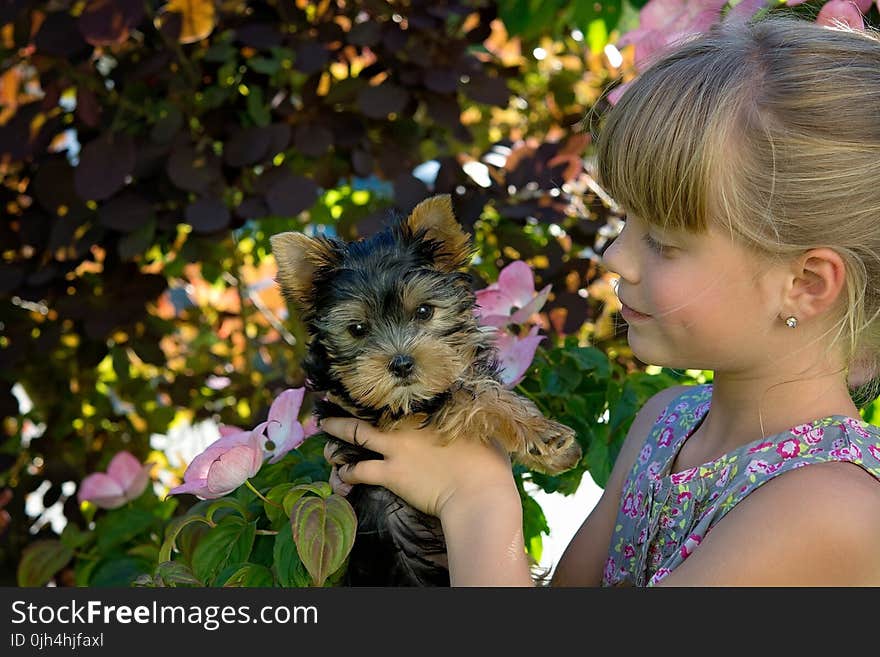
x=424, y=312
x=359, y=329
x=653, y=244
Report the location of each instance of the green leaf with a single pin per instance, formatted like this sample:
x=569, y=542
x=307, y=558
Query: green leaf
x=277, y=514
x=592, y=360
x=323, y=530
x=73, y=537
x=175, y=573
x=534, y=524
x=173, y=530
x=264, y=65
x=117, y=570
x=41, y=560
x=121, y=525
x=225, y=503
x=289, y=568
x=228, y=543
x=251, y=575
x=256, y=108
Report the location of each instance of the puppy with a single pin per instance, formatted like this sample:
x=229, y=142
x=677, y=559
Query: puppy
x=394, y=341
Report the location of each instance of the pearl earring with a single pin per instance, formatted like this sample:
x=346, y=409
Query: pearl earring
x=791, y=322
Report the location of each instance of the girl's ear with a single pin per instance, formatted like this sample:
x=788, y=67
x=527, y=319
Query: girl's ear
x=818, y=280
x=300, y=258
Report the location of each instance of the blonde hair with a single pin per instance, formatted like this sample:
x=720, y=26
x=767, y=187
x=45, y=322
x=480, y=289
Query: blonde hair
x=769, y=129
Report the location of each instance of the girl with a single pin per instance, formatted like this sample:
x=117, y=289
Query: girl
x=748, y=161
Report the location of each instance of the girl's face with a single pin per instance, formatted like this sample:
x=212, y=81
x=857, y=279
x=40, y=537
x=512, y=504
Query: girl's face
x=695, y=301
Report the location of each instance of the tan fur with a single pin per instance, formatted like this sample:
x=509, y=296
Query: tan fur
x=298, y=257
x=435, y=215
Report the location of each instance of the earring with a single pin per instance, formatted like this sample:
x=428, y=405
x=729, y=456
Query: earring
x=791, y=322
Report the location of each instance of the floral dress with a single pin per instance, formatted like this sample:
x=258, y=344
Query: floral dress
x=664, y=516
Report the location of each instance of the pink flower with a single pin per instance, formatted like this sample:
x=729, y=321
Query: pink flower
x=875, y=451
x=814, y=435
x=225, y=465
x=663, y=22
x=690, y=545
x=512, y=299
x=849, y=452
x=760, y=447
x=629, y=551
x=284, y=429
x=516, y=355
x=759, y=466
x=124, y=481
x=846, y=11
x=660, y=574
x=684, y=477
x=665, y=437
x=788, y=448
x=684, y=495
x=645, y=454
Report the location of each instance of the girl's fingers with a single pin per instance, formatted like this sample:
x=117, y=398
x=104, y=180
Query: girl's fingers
x=357, y=432
x=339, y=487
x=364, y=472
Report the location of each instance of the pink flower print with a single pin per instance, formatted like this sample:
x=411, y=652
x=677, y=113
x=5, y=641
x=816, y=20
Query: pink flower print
x=684, y=477
x=672, y=418
x=814, y=435
x=758, y=465
x=723, y=477
x=701, y=410
x=609, y=570
x=665, y=437
x=852, y=422
x=629, y=506
x=654, y=470
x=667, y=521
x=816, y=450
x=760, y=447
x=645, y=454
x=683, y=495
x=788, y=448
x=661, y=416
x=629, y=552
x=848, y=452
x=801, y=429
x=660, y=574
x=861, y=431
x=640, y=498
x=875, y=451
x=690, y=545
x=682, y=406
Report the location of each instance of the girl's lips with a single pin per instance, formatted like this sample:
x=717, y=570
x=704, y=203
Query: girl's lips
x=631, y=315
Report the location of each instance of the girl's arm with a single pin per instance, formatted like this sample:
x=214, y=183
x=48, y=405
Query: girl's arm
x=583, y=561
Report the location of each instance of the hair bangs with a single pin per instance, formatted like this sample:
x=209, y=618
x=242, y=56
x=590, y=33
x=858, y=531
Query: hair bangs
x=659, y=153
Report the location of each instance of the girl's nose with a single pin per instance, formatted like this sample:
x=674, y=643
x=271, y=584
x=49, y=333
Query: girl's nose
x=618, y=258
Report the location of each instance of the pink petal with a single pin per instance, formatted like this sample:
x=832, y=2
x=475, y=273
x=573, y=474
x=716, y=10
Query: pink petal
x=843, y=10
x=228, y=430
x=197, y=487
x=516, y=355
x=295, y=437
x=517, y=281
x=124, y=468
x=493, y=302
x=310, y=427
x=230, y=470
x=284, y=412
x=522, y=315
x=498, y=321
x=102, y=490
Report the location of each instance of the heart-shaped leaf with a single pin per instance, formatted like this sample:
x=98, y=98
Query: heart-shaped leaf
x=323, y=530
x=41, y=560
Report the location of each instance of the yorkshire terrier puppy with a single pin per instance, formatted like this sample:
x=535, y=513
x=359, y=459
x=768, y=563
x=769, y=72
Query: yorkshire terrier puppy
x=394, y=341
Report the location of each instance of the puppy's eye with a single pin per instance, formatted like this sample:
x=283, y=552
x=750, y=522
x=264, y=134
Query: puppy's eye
x=359, y=329
x=424, y=312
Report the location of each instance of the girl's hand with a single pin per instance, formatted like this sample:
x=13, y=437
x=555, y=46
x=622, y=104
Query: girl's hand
x=430, y=476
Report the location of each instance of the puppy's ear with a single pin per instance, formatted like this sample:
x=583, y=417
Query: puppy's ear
x=299, y=258
x=434, y=216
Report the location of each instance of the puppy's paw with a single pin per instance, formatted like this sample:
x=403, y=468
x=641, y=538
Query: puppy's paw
x=555, y=449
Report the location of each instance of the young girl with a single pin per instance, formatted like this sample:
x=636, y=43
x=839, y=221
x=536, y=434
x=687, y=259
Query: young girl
x=748, y=161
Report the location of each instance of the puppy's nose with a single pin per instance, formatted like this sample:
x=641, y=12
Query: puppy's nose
x=401, y=365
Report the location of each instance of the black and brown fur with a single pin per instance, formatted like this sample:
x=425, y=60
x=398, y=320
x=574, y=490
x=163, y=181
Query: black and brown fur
x=395, y=342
